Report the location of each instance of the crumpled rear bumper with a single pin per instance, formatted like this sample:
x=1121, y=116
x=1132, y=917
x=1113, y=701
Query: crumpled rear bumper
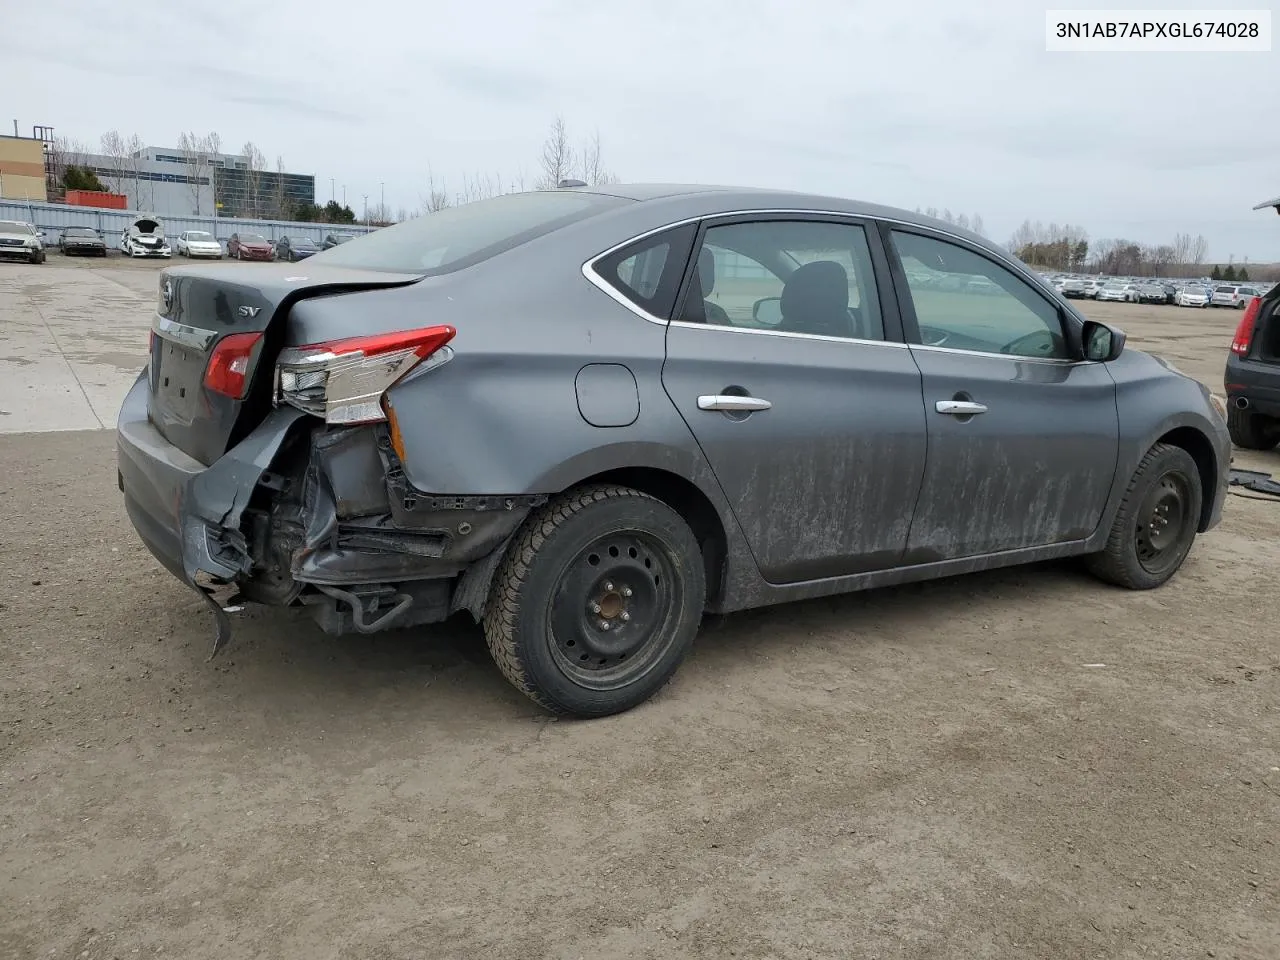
x=187, y=514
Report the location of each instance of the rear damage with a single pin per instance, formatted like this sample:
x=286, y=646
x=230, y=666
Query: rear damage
x=259, y=469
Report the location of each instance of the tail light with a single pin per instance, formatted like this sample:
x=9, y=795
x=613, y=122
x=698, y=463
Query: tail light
x=229, y=363
x=344, y=380
x=1244, y=332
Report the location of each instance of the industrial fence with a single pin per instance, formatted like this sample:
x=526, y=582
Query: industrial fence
x=52, y=218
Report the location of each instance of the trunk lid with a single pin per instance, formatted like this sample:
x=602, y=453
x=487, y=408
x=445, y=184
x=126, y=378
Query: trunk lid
x=199, y=307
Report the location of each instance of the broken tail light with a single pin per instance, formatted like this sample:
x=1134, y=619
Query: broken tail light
x=1244, y=332
x=344, y=380
x=229, y=364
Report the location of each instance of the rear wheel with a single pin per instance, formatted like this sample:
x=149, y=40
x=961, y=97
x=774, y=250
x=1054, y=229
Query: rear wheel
x=596, y=602
x=1156, y=523
x=1251, y=430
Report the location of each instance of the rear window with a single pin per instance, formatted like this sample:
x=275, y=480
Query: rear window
x=458, y=237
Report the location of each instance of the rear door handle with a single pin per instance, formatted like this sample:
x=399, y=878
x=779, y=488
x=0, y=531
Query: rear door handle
x=960, y=408
x=720, y=401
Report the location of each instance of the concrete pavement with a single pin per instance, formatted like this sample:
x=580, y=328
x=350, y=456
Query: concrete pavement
x=73, y=338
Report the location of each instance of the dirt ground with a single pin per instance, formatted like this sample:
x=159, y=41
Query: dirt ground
x=1010, y=765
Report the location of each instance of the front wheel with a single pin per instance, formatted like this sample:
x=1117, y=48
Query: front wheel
x=1156, y=523
x=596, y=602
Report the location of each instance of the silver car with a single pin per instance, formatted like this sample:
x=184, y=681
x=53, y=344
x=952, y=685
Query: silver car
x=589, y=416
x=21, y=240
x=1118, y=290
x=1233, y=296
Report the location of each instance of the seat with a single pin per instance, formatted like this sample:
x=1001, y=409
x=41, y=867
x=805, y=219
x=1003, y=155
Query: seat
x=698, y=309
x=815, y=300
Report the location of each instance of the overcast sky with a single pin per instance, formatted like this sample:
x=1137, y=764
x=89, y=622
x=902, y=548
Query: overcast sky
x=911, y=104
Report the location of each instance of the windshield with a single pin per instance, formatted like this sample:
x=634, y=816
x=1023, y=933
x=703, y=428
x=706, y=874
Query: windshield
x=252, y=238
x=1114, y=285
x=79, y=232
x=303, y=242
x=458, y=237
x=1225, y=290
x=14, y=226
x=199, y=235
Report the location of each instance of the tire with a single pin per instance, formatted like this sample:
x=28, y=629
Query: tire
x=1252, y=431
x=1142, y=552
x=596, y=555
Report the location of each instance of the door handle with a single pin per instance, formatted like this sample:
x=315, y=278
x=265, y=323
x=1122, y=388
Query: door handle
x=720, y=401
x=960, y=408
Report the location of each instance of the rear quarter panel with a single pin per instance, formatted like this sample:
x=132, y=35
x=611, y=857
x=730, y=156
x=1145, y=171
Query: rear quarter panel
x=502, y=415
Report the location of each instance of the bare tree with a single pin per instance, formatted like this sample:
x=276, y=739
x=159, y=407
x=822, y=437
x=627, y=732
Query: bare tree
x=112, y=145
x=976, y=225
x=594, y=171
x=379, y=215
x=199, y=152
x=255, y=163
x=143, y=198
x=436, y=197
x=557, y=158
x=1199, y=246
x=280, y=212
x=65, y=153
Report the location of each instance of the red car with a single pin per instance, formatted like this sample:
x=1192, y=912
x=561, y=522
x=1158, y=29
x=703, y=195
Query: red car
x=249, y=246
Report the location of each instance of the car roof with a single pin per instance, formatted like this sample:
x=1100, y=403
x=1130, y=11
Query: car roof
x=698, y=197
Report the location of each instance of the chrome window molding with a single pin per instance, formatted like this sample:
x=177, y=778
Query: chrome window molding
x=589, y=272
x=195, y=337
x=1063, y=361
x=788, y=334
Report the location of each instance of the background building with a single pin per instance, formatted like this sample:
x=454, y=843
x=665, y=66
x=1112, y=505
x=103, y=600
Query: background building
x=169, y=182
x=22, y=174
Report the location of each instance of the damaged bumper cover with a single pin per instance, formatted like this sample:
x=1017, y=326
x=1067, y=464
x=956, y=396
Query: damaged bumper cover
x=335, y=521
x=187, y=514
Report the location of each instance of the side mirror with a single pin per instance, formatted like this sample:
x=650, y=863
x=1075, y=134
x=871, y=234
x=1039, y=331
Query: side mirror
x=1102, y=344
x=767, y=311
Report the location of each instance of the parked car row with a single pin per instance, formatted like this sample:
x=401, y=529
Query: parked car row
x=1182, y=293
x=145, y=237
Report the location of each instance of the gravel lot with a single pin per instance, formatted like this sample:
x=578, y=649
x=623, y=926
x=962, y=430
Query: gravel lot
x=1018, y=764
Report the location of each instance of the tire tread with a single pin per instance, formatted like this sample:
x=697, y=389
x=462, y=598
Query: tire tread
x=1112, y=563
x=502, y=608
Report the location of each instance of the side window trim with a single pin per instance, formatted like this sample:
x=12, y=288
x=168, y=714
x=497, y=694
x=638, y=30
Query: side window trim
x=890, y=318
x=906, y=305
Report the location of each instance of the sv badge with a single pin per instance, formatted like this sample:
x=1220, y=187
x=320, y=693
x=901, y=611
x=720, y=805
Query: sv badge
x=247, y=311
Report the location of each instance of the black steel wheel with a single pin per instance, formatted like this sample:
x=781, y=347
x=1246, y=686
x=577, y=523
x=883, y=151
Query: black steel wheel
x=1160, y=524
x=1156, y=523
x=613, y=606
x=596, y=602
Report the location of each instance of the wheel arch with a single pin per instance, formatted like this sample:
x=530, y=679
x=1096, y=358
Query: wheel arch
x=687, y=499
x=1200, y=447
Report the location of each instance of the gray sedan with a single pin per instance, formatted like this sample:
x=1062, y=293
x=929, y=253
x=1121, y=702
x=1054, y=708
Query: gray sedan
x=588, y=416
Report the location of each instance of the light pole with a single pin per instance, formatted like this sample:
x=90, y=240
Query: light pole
x=383, y=200
x=366, y=209
x=331, y=195
x=344, y=194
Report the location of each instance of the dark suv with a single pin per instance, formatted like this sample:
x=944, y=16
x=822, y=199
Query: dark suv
x=1253, y=375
